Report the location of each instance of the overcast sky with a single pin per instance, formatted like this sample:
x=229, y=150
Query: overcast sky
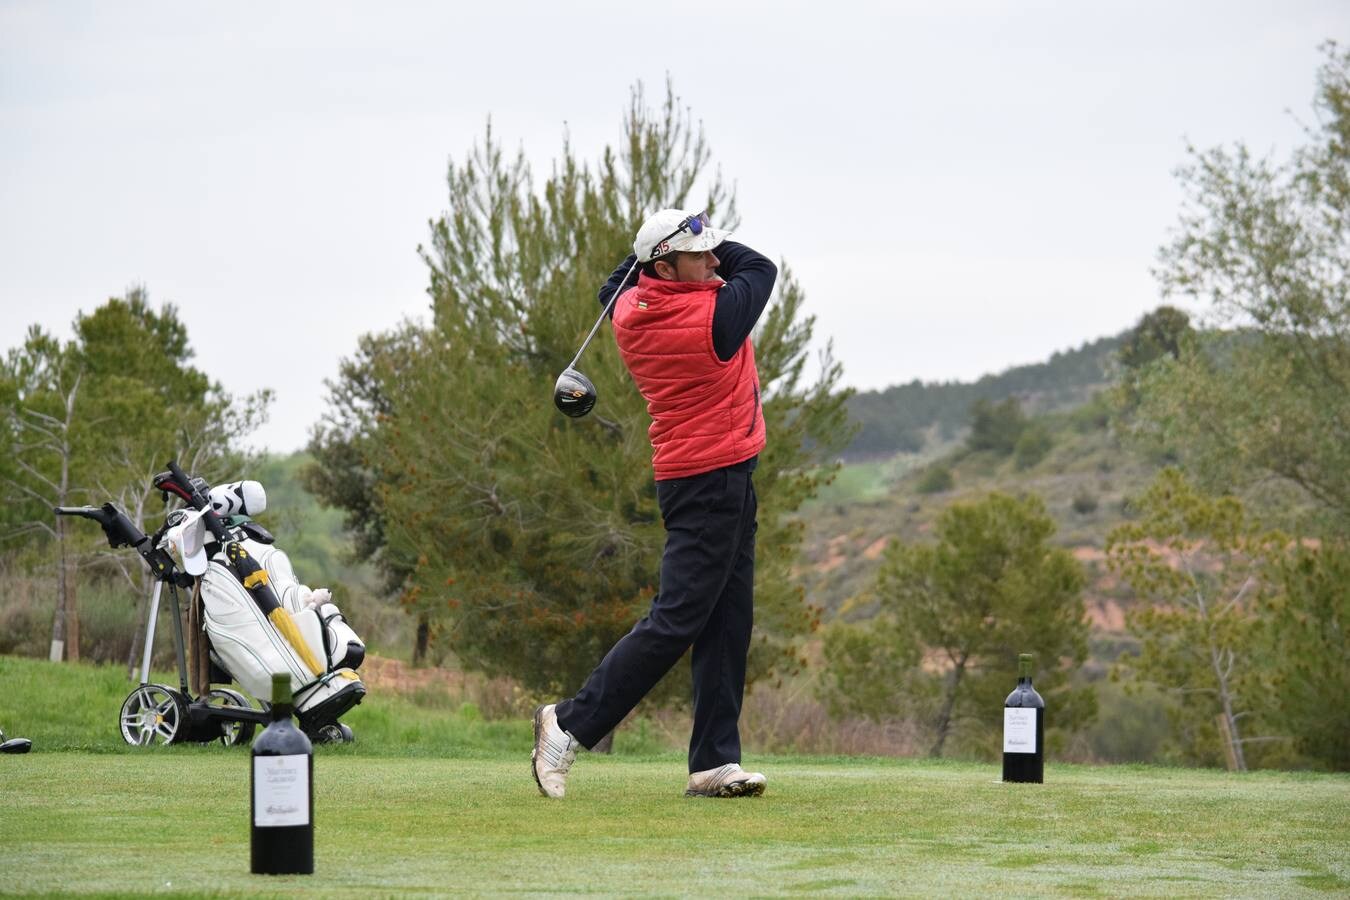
x=959, y=186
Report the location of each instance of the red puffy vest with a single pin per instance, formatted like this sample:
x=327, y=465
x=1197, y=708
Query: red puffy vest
x=705, y=412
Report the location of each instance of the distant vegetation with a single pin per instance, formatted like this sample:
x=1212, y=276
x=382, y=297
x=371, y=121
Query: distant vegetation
x=908, y=418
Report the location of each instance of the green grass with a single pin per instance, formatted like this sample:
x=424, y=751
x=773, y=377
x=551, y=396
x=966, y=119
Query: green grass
x=176, y=821
x=438, y=801
x=75, y=707
x=863, y=482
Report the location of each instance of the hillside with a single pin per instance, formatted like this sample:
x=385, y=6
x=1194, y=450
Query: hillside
x=1085, y=480
x=908, y=418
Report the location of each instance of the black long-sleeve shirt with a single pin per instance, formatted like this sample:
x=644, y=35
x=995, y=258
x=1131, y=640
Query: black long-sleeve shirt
x=748, y=279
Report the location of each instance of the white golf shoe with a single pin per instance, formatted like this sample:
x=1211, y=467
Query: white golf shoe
x=554, y=752
x=729, y=780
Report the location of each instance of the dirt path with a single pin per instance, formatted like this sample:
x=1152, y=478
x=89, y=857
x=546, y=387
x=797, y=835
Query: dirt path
x=397, y=676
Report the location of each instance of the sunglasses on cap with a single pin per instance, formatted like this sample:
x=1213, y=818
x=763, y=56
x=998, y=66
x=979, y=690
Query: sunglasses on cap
x=693, y=224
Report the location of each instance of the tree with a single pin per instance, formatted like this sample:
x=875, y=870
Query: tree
x=996, y=426
x=146, y=403
x=531, y=541
x=1158, y=334
x=952, y=618
x=348, y=469
x=1197, y=561
x=1267, y=245
x=43, y=381
x=1303, y=638
x=1032, y=445
x=94, y=418
x=345, y=473
x=935, y=479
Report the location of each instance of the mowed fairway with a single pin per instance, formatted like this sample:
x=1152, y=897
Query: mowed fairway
x=176, y=820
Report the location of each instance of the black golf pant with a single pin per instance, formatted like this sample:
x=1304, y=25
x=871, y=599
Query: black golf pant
x=706, y=602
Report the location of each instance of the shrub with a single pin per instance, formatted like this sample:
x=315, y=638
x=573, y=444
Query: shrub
x=1032, y=446
x=996, y=426
x=936, y=479
x=1095, y=415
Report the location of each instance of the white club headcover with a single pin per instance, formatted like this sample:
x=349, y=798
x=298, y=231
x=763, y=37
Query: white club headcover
x=238, y=498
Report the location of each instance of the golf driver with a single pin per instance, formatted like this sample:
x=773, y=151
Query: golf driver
x=573, y=393
x=16, y=745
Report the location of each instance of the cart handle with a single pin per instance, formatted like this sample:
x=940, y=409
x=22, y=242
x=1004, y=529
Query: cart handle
x=118, y=528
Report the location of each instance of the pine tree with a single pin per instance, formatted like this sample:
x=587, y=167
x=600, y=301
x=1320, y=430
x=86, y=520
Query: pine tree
x=530, y=542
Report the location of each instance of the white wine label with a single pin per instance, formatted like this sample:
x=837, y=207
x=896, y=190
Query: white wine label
x=1019, y=729
x=280, y=790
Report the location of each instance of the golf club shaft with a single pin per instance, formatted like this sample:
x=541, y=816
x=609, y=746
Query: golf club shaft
x=605, y=312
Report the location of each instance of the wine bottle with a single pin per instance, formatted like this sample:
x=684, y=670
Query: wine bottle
x=282, y=824
x=1024, y=729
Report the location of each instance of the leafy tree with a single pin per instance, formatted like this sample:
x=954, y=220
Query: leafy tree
x=1260, y=404
x=346, y=471
x=42, y=384
x=952, y=618
x=1267, y=244
x=1161, y=333
x=532, y=541
x=93, y=419
x=996, y=426
x=1197, y=560
x=146, y=403
x=350, y=469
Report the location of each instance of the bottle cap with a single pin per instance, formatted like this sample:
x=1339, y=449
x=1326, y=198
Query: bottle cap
x=281, y=688
x=1024, y=665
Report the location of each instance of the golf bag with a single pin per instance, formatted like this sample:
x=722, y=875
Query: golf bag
x=320, y=652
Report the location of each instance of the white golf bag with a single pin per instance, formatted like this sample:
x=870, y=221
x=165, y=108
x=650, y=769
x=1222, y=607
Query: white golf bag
x=250, y=647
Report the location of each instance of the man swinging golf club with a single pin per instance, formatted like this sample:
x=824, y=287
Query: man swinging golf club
x=684, y=333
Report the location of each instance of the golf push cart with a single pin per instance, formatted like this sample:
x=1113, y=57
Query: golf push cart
x=248, y=617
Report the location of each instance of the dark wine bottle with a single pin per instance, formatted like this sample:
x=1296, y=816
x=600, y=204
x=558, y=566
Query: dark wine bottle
x=1024, y=729
x=282, y=822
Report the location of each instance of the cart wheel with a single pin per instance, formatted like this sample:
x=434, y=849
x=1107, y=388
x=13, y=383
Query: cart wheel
x=231, y=733
x=332, y=733
x=153, y=714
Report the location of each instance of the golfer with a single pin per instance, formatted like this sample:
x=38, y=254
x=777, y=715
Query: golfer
x=684, y=333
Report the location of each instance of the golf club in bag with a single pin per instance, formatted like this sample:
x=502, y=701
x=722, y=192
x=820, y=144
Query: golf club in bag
x=256, y=617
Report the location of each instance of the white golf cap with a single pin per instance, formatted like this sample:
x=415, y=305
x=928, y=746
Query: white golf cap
x=671, y=230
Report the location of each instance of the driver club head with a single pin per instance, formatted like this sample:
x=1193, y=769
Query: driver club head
x=573, y=394
x=17, y=745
